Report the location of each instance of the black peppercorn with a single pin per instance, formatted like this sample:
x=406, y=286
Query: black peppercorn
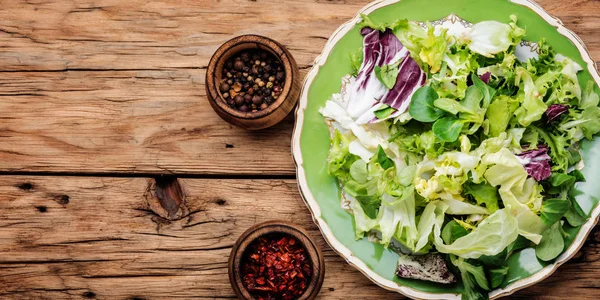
x=280, y=76
x=257, y=100
x=238, y=65
x=254, y=78
x=239, y=100
x=245, y=57
x=224, y=87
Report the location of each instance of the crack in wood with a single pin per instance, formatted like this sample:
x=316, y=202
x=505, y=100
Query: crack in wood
x=228, y=246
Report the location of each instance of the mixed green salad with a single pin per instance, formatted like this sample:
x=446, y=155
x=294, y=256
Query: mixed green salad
x=448, y=144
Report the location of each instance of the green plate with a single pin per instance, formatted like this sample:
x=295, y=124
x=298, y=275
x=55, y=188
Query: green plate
x=311, y=141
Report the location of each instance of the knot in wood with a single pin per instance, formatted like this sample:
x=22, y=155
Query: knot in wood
x=165, y=197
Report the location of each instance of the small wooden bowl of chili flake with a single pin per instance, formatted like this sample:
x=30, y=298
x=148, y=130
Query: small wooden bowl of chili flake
x=276, y=260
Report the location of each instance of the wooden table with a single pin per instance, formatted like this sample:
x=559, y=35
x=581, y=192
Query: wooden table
x=117, y=179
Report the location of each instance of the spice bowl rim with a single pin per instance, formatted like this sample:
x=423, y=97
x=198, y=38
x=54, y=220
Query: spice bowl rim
x=237, y=45
x=313, y=253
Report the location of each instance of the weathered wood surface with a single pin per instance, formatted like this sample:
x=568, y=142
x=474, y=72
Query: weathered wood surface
x=118, y=86
x=74, y=237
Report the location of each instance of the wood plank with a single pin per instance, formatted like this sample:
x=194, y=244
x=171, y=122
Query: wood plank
x=128, y=122
x=127, y=95
x=80, y=237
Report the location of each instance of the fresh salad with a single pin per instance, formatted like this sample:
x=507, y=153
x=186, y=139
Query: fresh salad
x=448, y=145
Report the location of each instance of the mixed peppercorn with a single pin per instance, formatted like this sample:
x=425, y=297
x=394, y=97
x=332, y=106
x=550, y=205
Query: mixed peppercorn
x=252, y=80
x=276, y=267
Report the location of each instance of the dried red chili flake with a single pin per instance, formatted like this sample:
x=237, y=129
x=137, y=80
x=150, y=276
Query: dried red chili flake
x=276, y=267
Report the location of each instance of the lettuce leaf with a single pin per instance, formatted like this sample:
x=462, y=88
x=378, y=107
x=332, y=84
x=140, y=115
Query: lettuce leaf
x=491, y=37
x=532, y=94
x=492, y=236
x=427, y=48
x=484, y=194
x=340, y=159
x=508, y=173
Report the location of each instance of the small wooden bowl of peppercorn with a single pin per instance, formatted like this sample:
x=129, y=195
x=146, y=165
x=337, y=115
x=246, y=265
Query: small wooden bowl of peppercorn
x=276, y=260
x=252, y=82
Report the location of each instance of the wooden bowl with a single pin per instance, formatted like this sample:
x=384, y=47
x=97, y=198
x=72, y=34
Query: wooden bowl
x=275, y=112
x=276, y=227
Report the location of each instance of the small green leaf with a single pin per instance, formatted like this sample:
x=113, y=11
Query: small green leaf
x=367, y=22
x=384, y=112
x=487, y=91
x=496, y=260
x=358, y=171
x=388, y=74
x=356, y=60
x=497, y=276
x=421, y=106
x=447, y=129
x=561, y=180
x=471, y=289
x=499, y=114
x=520, y=243
x=554, y=209
x=370, y=205
x=452, y=231
x=551, y=245
x=575, y=215
x=472, y=99
x=578, y=176
x=384, y=161
x=450, y=105
x=484, y=194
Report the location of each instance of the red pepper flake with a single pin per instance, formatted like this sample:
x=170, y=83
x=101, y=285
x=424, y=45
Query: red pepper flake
x=276, y=267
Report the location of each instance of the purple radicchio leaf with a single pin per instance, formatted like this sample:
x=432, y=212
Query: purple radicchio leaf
x=536, y=162
x=554, y=111
x=486, y=77
x=366, y=30
x=366, y=89
x=368, y=94
x=410, y=76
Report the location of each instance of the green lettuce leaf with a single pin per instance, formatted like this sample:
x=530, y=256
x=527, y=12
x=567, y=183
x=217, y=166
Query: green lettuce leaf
x=492, y=235
x=499, y=114
x=425, y=46
x=497, y=276
x=552, y=243
x=388, y=74
x=533, y=106
x=484, y=194
x=340, y=158
x=422, y=106
x=473, y=278
x=491, y=37
x=356, y=60
x=508, y=173
x=452, y=79
x=553, y=210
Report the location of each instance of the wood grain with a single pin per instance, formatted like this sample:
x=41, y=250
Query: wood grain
x=111, y=86
x=83, y=237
